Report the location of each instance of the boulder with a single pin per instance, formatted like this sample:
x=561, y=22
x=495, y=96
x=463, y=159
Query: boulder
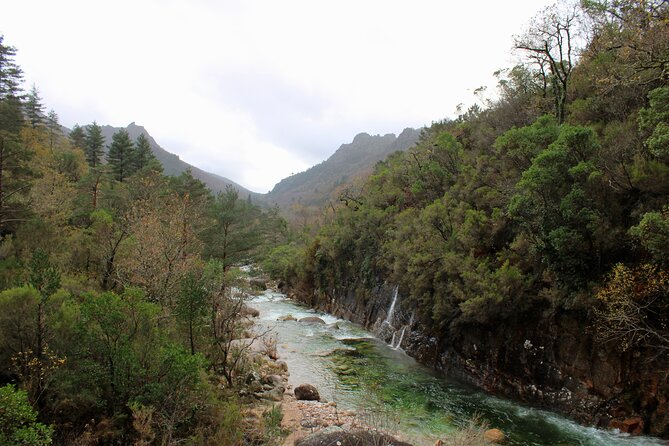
x=258, y=284
x=306, y=392
x=274, y=380
x=276, y=394
x=494, y=436
x=312, y=320
x=629, y=426
x=286, y=317
x=249, y=311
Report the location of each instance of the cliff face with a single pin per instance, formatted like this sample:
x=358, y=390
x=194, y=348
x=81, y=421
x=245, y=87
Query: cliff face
x=548, y=360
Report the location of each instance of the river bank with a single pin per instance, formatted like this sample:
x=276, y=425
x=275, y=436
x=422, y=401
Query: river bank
x=359, y=373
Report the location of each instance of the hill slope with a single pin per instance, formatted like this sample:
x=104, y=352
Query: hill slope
x=314, y=186
x=174, y=166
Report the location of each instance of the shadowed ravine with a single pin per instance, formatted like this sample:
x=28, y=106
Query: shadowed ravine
x=350, y=366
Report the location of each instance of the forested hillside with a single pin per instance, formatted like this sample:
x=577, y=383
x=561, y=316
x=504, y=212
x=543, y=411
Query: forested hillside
x=326, y=181
x=173, y=165
x=119, y=295
x=529, y=238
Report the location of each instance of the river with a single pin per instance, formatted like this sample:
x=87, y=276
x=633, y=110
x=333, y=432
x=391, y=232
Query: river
x=389, y=389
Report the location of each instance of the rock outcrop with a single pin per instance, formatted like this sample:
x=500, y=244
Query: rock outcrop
x=551, y=360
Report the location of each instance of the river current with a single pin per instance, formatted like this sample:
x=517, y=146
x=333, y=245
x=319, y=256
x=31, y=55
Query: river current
x=350, y=366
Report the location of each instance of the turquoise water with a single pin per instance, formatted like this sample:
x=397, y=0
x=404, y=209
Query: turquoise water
x=348, y=365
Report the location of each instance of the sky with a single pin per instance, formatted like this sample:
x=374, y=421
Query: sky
x=257, y=90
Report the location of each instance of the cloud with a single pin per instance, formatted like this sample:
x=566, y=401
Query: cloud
x=260, y=89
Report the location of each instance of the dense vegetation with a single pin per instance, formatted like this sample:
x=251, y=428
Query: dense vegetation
x=118, y=291
x=550, y=198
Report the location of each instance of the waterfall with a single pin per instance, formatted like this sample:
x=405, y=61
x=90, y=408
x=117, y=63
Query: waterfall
x=391, y=311
x=399, y=341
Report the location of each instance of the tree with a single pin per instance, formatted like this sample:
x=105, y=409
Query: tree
x=635, y=307
x=654, y=122
x=634, y=33
x=554, y=204
x=550, y=44
x=143, y=155
x=121, y=155
x=45, y=278
x=191, y=306
x=54, y=127
x=18, y=420
x=163, y=247
x=78, y=137
x=234, y=232
x=15, y=174
x=34, y=108
x=95, y=141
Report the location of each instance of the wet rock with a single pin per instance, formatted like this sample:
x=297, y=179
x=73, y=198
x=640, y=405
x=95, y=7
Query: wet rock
x=306, y=392
x=312, y=320
x=249, y=311
x=286, y=317
x=628, y=426
x=494, y=436
x=334, y=326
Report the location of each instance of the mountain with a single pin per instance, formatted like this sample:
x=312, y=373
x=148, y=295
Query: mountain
x=174, y=166
x=316, y=185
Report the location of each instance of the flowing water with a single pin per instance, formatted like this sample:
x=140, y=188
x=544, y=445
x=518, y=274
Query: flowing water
x=351, y=367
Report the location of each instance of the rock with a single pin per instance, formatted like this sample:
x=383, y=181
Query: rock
x=286, y=317
x=494, y=436
x=312, y=320
x=276, y=394
x=252, y=377
x=334, y=326
x=274, y=380
x=628, y=426
x=258, y=284
x=438, y=443
x=249, y=311
x=306, y=392
x=282, y=365
x=340, y=437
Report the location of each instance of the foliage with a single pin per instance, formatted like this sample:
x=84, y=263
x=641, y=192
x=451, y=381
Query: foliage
x=95, y=142
x=635, y=307
x=18, y=425
x=119, y=308
x=121, y=156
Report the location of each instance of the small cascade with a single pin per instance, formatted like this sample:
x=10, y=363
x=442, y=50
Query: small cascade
x=397, y=345
x=391, y=311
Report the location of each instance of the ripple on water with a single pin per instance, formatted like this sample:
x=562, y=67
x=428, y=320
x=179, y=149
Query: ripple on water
x=360, y=372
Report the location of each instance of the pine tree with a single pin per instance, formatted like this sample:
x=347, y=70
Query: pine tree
x=54, y=127
x=78, y=137
x=34, y=108
x=14, y=156
x=95, y=141
x=121, y=156
x=11, y=76
x=143, y=153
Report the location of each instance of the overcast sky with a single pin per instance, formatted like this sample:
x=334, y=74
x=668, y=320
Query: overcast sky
x=257, y=90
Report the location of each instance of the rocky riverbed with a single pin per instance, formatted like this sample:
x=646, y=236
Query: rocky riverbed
x=364, y=383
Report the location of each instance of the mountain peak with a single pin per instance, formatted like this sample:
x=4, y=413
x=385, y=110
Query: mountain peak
x=318, y=184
